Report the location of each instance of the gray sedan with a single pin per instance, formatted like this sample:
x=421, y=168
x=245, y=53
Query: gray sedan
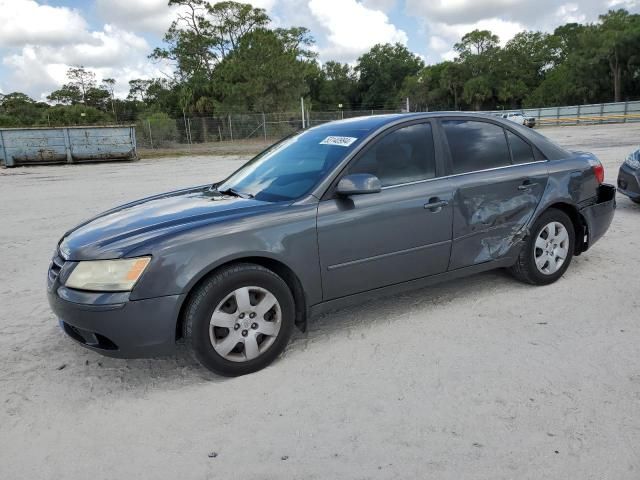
x=333, y=215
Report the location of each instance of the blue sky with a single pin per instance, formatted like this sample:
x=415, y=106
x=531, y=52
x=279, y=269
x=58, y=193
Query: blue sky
x=40, y=39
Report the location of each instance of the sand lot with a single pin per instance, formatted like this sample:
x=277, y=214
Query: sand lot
x=481, y=378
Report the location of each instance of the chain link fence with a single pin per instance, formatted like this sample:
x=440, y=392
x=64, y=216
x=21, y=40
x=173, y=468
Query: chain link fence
x=160, y=131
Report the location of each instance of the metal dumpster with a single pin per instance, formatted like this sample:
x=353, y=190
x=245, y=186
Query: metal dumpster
x=33, y=146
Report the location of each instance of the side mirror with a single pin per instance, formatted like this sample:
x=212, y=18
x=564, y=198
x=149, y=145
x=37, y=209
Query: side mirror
x=358, y=184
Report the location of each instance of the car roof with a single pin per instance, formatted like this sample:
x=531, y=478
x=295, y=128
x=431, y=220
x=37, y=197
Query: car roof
x=369, y=124
x=373, y=122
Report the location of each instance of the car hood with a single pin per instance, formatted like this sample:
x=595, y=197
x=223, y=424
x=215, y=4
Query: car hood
x=116, y=232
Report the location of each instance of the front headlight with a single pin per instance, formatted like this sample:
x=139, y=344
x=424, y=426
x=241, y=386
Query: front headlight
x=107, y=275
x=633, y=160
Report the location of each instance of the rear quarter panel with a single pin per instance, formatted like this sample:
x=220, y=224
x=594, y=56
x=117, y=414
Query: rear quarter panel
x=571, y=181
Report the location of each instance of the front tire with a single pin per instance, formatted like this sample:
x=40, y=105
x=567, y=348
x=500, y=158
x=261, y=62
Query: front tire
x=239, y=319
x=548, y=251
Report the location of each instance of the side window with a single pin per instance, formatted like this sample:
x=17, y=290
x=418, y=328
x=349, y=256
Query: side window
x=402, y=156
x=521, y=151
x=476, y=145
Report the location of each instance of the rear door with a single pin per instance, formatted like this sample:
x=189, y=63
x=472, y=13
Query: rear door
x=499, y=179
x=373, y=240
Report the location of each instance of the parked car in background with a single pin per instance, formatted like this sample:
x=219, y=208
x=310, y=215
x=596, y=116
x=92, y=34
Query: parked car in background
x=340, y=213
x=629, y=177
x=520, y=118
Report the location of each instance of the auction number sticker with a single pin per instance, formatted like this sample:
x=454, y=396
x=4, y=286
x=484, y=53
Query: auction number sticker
x=340, y=141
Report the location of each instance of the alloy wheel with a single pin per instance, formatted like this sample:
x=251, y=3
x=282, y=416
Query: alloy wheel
x=245, y=324
x=551, y=248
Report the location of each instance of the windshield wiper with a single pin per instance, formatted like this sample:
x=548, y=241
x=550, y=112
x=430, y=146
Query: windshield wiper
x=235, y=193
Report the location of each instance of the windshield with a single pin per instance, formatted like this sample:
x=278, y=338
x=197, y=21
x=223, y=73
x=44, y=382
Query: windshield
x=290, y=169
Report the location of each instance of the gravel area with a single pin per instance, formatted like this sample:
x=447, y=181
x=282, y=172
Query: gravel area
x=481, y=378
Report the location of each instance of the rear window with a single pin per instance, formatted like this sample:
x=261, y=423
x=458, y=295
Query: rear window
x=476, y=145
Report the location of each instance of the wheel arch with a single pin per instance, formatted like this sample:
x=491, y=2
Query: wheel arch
x=278, y=267
x=578, y=221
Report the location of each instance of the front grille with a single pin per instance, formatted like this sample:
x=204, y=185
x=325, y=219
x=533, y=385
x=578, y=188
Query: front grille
x=57, y=262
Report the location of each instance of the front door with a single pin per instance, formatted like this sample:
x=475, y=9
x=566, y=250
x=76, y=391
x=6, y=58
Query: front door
x=374, y=240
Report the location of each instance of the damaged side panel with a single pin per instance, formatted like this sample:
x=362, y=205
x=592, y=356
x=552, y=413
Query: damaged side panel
x=492, y=210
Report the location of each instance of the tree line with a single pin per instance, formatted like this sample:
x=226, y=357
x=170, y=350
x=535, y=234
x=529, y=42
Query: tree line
x=226, y=58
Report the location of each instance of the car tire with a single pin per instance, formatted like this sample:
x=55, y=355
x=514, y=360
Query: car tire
x=227, y=327
x=539, y=260
x=636, y=200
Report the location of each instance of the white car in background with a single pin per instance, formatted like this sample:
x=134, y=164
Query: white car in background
x=521, y=118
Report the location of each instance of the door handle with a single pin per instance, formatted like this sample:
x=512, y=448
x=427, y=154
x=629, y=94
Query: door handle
x=435, y=204
x=526, y=186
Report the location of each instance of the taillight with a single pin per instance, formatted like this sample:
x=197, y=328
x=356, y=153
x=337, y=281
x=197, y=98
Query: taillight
x=598, y=171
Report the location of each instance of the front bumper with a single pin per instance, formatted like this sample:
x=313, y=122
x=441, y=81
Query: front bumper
x=599, y=215
x=113, y=325
x=629, y=182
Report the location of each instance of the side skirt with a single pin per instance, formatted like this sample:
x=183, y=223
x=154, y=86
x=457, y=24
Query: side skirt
x=363, y=297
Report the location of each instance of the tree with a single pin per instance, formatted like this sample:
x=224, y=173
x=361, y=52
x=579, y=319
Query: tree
x=138, y=89
x=18, y=110
x=454, y=76
x=476, y=42
x=382, y=72
x=477, y=90
x=109, y=84
x=68, y=94
x=81, y=78
x=337, y=85
x=619, y=35
x=265, y=72
x=204, y=34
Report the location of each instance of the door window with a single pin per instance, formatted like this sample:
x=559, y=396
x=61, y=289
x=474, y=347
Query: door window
x=402, y=156
x=521, y=151
x=476, y=145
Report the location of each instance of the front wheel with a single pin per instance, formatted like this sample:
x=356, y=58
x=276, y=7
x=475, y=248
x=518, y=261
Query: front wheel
x=548, y=251
x=239, y=320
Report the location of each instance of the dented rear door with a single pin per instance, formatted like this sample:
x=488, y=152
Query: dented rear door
x=495, y=196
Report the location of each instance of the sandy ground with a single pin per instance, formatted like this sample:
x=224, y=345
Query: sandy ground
x=481, y=378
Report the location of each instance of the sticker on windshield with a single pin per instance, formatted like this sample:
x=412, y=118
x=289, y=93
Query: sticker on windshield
x=340, y=141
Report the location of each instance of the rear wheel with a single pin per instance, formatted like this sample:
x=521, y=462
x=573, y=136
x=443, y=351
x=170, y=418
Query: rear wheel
x=548, y=250
x=239, y=320
x=636, y=200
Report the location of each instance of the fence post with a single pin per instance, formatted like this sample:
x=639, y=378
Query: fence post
x=150, y=137
x=230, y=128
x=264, y=126
x=190, y=141
x=302, y=111
x=219, y=133
x=578, y=115
x=626, y=111
x=558, y=115
x=539, y=114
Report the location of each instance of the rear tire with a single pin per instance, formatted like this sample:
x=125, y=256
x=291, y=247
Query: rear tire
x=548, y=251
x=239, y=319
x=636, y=200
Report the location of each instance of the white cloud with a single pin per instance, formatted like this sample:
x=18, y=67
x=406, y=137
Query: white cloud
x=26, y=21
x=352, y=28
x=42, y=42
x=147, y=15
x=452, y=33
x=384, y=5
